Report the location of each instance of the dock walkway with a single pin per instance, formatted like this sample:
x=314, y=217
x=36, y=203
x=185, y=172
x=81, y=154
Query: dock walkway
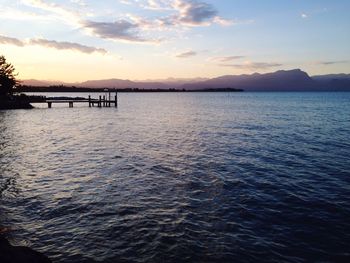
x=102, y=101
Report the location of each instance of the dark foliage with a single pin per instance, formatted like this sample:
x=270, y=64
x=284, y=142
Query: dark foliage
x=7, y=77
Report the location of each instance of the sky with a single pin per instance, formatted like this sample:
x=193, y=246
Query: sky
x=77, y=40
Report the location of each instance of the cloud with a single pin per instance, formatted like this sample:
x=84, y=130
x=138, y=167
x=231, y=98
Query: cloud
x=118, y=30
x=253, y=65
x=15, y=14
x=144, y=24
x=194, y=13
x=153, y=4
x=68, y=16
x=11, y=41
x=224, y=22
x=197, y=13
x=179, y=14
x=184, y=12
x=311, y=13
x=157, y=5
x=67, y=46
x=126, y=2
x=327, y=63
x=186, y=54
x=226, y=59
x=79, y=2
x=52, y=44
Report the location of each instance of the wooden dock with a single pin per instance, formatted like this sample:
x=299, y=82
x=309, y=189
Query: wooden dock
x=102, y=101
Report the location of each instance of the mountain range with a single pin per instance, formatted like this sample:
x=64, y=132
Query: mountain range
x=282, y=80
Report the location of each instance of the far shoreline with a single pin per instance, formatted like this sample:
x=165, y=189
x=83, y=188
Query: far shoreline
x=23, y=89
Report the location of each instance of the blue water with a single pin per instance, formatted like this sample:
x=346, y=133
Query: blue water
x=181, y=177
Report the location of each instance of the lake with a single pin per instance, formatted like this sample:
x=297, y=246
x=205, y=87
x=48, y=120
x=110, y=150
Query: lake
x=181, y=177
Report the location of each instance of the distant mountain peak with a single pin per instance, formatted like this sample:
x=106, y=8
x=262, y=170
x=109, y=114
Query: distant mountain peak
x=290, y=70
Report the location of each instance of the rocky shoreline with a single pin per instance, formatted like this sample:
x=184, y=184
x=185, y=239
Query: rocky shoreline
x=15, y=102
x=19, y=254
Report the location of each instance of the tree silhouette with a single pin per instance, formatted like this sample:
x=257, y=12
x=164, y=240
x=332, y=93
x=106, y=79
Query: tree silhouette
x=7, y=77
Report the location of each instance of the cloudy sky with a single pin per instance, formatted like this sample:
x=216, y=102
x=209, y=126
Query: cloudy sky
x=76, y=40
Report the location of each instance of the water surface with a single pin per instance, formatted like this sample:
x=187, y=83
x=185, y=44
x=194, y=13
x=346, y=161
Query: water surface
x=181, y=177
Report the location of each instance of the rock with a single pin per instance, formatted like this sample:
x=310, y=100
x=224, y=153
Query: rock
x=15, y=102
x=14, y=254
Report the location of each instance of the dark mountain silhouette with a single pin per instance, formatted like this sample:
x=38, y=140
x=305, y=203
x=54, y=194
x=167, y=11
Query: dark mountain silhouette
x=282, y=80
x=42, y=83
x=291, y=80
x=176, y=81
x=121, y=84
x=334, y=82
x=330, y=77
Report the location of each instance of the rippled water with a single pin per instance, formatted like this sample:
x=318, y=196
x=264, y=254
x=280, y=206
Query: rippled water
x=181, y=177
